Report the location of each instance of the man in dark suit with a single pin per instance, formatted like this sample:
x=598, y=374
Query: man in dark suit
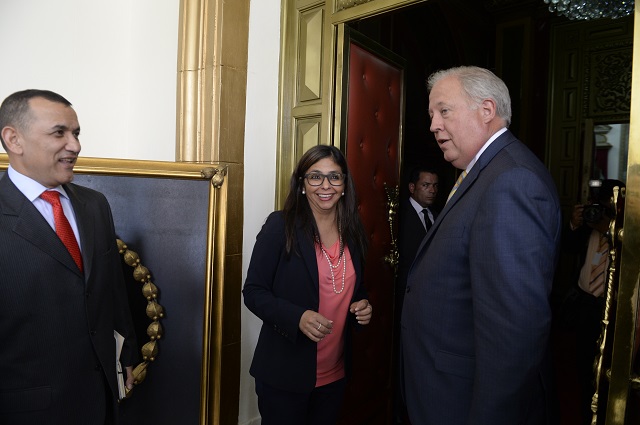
x=417, y=215
x=476, y=315
x=60, y=302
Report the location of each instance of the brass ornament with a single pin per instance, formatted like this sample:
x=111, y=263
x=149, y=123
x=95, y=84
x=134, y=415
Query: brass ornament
x=392, y=204
x=216, y=175
x=154, y=311
x=602, y=371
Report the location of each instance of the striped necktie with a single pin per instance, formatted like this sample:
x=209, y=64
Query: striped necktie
x=599, y=268
x=455, y=186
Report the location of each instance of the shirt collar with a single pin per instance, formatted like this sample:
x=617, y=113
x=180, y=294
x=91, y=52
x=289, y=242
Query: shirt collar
x=29, y=187
x=416, y=205
x=484, y=147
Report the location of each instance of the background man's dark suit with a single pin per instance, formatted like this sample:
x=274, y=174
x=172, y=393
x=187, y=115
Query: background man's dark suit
x=476, y=316
x=56, y=324
x=581, y=313
x=411, y=232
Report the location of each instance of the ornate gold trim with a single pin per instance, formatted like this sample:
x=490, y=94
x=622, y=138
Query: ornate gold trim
x=154, y=311
x=392, y=213
x=212, y=76
x=625, y=335
x=609, y=304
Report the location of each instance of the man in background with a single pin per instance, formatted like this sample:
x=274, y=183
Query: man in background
x=62, y=291
x=476, y=316
x=417, y=215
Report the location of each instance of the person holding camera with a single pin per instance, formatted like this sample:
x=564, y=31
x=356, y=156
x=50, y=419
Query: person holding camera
x=586, y=239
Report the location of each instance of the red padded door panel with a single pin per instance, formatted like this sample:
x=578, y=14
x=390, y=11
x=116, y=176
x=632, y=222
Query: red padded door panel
x=374, y=118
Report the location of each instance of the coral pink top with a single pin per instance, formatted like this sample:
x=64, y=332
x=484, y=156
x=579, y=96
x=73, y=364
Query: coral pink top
x=334, y=306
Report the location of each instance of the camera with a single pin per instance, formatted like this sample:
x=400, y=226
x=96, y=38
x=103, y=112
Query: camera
x=599, y=194
x=593, y=213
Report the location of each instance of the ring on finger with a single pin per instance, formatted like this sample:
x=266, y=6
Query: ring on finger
x=319, y=325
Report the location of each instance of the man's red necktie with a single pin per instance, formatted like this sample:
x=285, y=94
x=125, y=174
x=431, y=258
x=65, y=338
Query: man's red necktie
x=63, y=228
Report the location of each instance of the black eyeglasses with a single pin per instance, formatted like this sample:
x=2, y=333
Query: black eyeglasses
x=316, y=179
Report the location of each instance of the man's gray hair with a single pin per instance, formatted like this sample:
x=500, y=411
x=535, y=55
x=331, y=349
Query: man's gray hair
x=479, y=84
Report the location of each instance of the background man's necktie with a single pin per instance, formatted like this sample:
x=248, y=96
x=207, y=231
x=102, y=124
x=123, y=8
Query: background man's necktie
x=455, y=186
x=427, y=221
x=598, y=270
x=63, y=228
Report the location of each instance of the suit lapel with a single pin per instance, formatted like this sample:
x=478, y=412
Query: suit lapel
x=357, y=263
x=308, y=253
x=30, y=225
x=85, y=227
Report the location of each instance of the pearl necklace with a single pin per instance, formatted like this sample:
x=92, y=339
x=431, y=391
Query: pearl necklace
x=332, y=267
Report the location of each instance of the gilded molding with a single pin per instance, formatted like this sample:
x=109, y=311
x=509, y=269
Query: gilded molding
x=216, y=175
x=212, y=72
x=346, y=4
x=620, y=401
x=154, y=311
x=610, y=295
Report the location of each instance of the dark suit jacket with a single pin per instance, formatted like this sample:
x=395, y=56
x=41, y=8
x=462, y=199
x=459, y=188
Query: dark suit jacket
x=279, y=289
x=476, y=316
x=57, y=355
x=411, y=232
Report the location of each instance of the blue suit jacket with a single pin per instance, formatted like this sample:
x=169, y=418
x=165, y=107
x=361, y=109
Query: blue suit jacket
x=56, y=323
x=476, y=315
x=279, y=289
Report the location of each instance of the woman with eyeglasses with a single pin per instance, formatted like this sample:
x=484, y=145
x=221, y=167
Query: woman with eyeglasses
x=305, y=283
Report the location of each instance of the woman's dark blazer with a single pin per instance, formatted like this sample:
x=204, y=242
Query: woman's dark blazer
x=279, y=288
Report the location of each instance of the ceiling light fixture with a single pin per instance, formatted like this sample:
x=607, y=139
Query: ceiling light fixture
x=591, y=9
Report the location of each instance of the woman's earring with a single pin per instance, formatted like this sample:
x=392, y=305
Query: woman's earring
x=343, y=193
x=303, y=192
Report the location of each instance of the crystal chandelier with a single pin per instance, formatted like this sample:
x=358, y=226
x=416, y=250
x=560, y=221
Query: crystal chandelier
x=591, y=9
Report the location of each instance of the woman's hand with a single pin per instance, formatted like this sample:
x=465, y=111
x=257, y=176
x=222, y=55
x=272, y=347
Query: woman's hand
x=315, y=326
x=363, y=311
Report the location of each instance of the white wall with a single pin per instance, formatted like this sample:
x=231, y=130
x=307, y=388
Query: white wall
x=115, y=61
x=259, y=166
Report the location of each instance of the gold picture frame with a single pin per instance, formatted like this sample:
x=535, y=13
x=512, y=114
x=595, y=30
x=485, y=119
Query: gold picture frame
x=221, y=258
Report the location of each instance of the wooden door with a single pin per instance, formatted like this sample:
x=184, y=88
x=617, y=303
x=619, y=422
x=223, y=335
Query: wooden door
x=371, y=101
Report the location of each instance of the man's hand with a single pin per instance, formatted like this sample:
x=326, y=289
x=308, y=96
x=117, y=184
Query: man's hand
x=129, y=383
x=576, y=217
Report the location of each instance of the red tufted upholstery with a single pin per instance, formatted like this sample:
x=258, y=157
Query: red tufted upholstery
x=373, y=131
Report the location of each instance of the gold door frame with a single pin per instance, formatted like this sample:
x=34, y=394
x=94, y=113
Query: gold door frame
x=627, y=305
x=310, y=89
